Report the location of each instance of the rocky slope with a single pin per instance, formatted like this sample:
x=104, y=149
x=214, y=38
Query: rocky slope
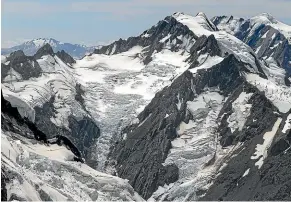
x=188, y=110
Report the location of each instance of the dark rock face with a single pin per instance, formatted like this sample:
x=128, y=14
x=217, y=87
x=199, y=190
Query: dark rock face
x=288, y=80
x=271, y=182
x=45, y=50
x=65, y=57
x=27, y=66
x=274, y=45
x=24, y=65
x=83, y=132
x=241, y=179
x=4, y=179
x=205, y=45
x=261, y=111
x=11, y=117
x=12, y=121
x=79, y=96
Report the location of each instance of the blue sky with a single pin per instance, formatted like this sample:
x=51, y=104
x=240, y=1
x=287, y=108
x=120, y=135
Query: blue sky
x=90, y=22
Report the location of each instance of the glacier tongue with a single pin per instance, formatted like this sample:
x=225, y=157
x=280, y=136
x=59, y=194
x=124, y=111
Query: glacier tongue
x=121, y=84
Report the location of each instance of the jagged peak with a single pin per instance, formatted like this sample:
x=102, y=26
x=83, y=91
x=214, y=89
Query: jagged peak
x=176, y=14
x=18, y=53
x=268, y=16
x=200, y=20
x=65, y=57
x=17, y=56
x=201, y=14
x=44, y=50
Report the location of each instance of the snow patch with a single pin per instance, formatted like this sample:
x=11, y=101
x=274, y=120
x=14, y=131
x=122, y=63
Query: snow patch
x=262, y=149
x=287, y=125
x=246, y=173
x=165, y=38
x=208, y=63
x=241, y=111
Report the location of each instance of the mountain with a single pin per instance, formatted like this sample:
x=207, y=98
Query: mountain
x=269, y=38
x=187, y=110
x=30, y=47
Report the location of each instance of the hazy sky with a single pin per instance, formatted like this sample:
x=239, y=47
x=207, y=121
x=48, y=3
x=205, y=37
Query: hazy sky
x=93, y=21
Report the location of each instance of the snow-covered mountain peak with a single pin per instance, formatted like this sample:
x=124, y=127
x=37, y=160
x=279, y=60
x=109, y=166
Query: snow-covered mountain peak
x=46, y=49
x=42, y=41
x=201, y=14
x=267, y=16
x=267, y=19
x=31, y=47
x=201, y=23
x=176, y=14
x=230, y=24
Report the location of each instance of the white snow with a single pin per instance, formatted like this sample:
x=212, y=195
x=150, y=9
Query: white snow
x=265, y=35
x=146, y=35
x=39, y=42
x=241, y=111
x=12, y=76
x=179, y=104
x=197, y=24
x=276, y=92
x=113, y=49
x=207, y=63
x=3, y=59
x=113, y=62
x=246, y=173
x=287, y=125
x=47, y=168
x=24, y=109
x=165, y=38
x=230, y=25
x=262, y=149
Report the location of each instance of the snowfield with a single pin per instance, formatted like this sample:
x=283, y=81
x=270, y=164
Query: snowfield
x=48, y=173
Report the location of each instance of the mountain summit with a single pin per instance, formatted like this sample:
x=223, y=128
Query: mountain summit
x=30, y=47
